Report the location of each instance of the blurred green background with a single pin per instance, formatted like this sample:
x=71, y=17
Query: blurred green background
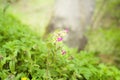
x=35, y=13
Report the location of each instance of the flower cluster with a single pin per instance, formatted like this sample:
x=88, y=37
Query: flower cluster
x=58, y=37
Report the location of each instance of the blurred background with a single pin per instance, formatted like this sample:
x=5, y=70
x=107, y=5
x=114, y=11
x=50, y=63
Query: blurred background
x=98, y=20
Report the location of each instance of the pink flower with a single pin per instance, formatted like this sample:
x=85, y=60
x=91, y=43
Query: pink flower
x=66, y=30
x=63, y=52
x=59, y=39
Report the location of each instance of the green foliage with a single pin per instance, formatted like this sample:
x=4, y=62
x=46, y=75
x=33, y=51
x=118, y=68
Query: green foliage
x=113, y=8
x=106, y=41
x=113, y=12
x=24, y=55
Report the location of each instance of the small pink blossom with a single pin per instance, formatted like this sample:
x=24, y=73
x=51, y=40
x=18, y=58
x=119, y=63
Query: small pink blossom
x=66, y=30
x=63, y=52
x=59, y=39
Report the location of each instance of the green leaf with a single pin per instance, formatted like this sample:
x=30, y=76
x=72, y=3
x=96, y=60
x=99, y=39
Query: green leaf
x=12, y=66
